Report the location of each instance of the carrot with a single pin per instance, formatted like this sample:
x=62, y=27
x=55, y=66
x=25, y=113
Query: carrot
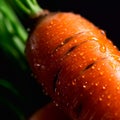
x=77, y=65
x=49, y=112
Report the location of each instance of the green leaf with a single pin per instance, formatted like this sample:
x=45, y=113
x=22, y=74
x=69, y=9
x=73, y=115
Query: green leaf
x=29, y=7
x=15, y=109
x=13, y=35
x=8, y=85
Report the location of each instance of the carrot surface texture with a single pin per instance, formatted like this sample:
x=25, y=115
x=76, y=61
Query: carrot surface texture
x=77, y=65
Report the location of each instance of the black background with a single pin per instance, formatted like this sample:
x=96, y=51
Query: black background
x=104, y=14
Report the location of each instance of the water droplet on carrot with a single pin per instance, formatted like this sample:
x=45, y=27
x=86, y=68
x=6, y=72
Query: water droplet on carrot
x=102, y=95
x=81, y=53
x=109, y=79
x=83, y=76
x=37, y=64
x=102, y=48
x=103, y=32
x=74, y=82
x=108, y=104
x=98, y=69
x=109, y=96
x=42, y=84
x=75, y=40
x=96, y=84
x=103, y=87
x=56, y=104
x=59, y=83
x=94, y=59
x=58, y=93
x=42, y=67
x=93, y=67
x=100, y=99
x=116, y=113
x=67, y=104
x=92, y=83
x=118, y=88
x=90, y=93
x=101, y=73
x=62, y=43
x=84, y=86
x=94, y=38
x=74, y=55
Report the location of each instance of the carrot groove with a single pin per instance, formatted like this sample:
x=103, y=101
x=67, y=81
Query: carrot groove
x=77, y=65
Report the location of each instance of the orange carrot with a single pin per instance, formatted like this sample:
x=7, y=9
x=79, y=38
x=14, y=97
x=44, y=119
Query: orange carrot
x=77, y=65
x=49, y=112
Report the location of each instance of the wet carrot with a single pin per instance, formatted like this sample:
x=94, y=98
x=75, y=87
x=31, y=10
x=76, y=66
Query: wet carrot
x=77, y=65
x=49, y=112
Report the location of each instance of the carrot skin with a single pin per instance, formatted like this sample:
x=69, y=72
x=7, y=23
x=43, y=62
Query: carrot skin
x=77, y=65
x=49, y=112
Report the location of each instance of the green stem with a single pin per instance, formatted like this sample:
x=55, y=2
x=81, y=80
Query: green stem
x=8, y=85
x=30, y=7
x=13, y=35
x=16, y=110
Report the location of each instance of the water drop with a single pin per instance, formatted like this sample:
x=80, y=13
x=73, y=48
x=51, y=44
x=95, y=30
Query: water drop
x=101, y=73
x=56, y=104
x=67, y=104
x=112, y=75
x=108, y=104
x=103, y=48
x=52, y=55
x=109, y=96
x=74, y=55
x=94, y=38
x=98, y=68
x=84, y=86
x=81, y=53
x=28, y=29
x=86, y=82
x=42, y=67
x=83, y=76
x=92, y=83
x=68, y=84
x=58, y=93
x=109, y=79
x=83, y=57
x=75, y=41
x=102, y=96
x=93, y=67
x=56, y=50
x=118, y=88
x=116, y=114
x=42, y=84
x=37, y=64
x=94, y=59
x=103, y=32
x=32, y=47
x=74, y=82
x=90, y=93
x=103, y=64
x=100, y=99
x=103, y=87
x=59, y=83
x=62, y=43
x=96, y=84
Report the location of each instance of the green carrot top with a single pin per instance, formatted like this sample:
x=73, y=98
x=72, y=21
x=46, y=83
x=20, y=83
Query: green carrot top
x=29, y=7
